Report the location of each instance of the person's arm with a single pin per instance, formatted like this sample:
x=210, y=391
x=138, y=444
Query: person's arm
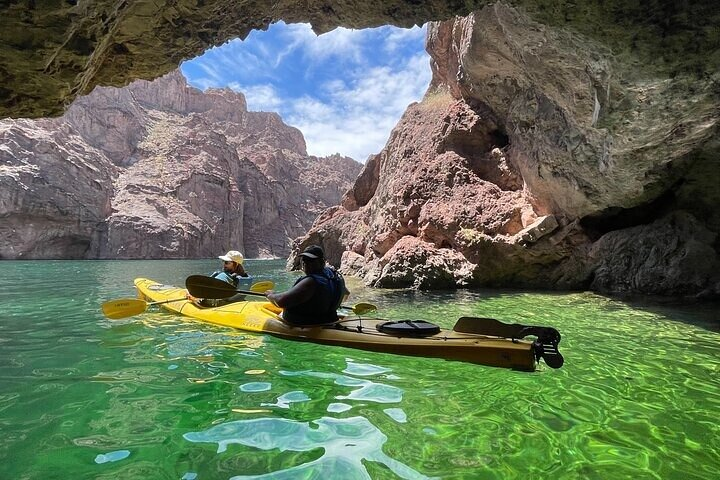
x=302, y=292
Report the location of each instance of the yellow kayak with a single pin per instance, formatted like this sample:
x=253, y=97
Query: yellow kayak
x=361, y=333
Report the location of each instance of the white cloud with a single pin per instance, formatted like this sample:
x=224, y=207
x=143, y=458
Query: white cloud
x=203, y=83
x=218, y=62
x=341, y=43
x=310, y=108
x=260, y=98
x=398, y=38
x=358, y=118
x=345, y=89
x=213, y=76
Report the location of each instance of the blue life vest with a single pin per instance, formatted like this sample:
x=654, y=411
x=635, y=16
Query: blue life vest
x=226, y=277
x=322, y=306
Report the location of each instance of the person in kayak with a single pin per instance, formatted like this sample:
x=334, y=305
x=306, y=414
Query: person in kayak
x=232, y=270
x=314, y=298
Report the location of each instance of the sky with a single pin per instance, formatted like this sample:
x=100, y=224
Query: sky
x=345, y=90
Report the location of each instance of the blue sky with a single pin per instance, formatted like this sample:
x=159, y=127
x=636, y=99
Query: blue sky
x=345, y=89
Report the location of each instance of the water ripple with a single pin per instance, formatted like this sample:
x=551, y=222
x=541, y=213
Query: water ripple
x=345, y=442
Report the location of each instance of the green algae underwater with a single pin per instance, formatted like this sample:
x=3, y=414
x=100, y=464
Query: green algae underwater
x=158, y=396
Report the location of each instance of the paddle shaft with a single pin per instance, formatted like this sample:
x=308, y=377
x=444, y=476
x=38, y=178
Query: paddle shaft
x=201, y=286
x=207, y=287
x=163, y=302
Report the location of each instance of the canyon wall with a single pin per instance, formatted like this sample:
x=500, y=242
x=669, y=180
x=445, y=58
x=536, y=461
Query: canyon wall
x=562, y=144
x=539, y=159
x=160, y=170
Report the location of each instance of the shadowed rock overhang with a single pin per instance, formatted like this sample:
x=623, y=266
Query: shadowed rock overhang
x=51, y=51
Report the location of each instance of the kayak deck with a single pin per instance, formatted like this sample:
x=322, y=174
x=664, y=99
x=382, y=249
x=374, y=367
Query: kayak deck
x=360, y=333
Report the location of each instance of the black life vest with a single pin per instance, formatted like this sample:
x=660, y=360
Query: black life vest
x=322, y=306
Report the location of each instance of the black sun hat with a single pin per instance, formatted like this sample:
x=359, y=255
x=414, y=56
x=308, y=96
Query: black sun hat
x=313, y=251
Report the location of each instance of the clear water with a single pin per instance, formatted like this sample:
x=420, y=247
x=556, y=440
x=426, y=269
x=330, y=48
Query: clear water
x=160, y=397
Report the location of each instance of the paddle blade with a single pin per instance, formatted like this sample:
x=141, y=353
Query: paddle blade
x=262, y=287
x=123, y=307
x=201, y=286
x=363, y=308
x=489, y=326
x=546, y=345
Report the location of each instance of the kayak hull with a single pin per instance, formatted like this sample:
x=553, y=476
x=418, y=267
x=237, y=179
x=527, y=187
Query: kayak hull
x=360, y=333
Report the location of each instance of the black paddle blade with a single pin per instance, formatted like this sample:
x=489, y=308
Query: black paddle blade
x=546, y=345
x=201, y=286
x=489, y=326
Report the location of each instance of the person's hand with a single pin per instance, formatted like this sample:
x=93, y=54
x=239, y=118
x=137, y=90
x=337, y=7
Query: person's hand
x=270, y=295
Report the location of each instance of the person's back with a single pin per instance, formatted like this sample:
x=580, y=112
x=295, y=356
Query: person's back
x=322, y=306
x=315, y=298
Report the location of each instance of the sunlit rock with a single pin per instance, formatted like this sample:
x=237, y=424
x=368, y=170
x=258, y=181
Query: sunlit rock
x=160, y=170
x=531, y=146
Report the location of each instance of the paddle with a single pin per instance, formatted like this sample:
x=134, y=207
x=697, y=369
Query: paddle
x=547, y=341
x=201, y=286
x=127, y=307
x=361, y=308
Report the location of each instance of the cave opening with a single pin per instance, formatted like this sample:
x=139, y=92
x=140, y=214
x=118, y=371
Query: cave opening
x=344, y=90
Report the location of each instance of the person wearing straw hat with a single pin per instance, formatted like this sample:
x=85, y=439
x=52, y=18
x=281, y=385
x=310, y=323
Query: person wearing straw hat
x=232, y=270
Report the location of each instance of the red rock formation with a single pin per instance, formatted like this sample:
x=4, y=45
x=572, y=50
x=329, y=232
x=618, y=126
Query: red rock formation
x=534, y=160
x=607, y=113
x=160, y=170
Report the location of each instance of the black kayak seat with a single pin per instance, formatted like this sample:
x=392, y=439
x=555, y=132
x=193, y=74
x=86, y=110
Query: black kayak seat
x=409, y=328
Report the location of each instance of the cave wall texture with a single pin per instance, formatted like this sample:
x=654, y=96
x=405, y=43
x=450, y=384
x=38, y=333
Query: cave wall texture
x=582, y=133
x=54, y=50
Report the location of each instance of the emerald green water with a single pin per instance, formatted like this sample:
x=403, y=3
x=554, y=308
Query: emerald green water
x=160, y=397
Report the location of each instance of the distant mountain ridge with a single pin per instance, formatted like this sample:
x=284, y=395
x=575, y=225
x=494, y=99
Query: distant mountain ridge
x=160, y=170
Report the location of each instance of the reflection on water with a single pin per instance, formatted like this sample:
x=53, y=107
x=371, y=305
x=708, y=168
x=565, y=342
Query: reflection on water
x=112, y=456
x=369, y=391
x=345, y=443
x=150, y=396
x=286, y=399
x=397, y=414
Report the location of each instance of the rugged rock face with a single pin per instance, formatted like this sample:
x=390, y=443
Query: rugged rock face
x=52, y=51
x=55, y=190
x=539, y=159
x=564, y=133
x=160, y=170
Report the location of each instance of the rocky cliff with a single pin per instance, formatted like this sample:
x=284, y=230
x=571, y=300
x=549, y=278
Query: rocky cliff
x=539, y=159
x=572, y=143
x=160, y=170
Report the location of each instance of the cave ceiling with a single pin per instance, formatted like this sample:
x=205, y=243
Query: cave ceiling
x=51, y=51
